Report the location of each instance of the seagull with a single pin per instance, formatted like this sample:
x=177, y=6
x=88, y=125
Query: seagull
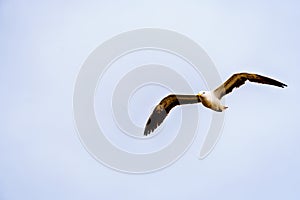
x=210, y=99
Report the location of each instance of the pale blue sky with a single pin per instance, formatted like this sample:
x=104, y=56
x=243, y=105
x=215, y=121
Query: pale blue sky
x=43, y=46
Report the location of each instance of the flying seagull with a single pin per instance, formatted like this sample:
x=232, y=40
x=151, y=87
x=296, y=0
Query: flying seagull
x=210, y=99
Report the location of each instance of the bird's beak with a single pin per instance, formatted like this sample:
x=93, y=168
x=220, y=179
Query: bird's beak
x=199, y=95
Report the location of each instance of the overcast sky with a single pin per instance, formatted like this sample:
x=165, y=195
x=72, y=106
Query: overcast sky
x=43, y=46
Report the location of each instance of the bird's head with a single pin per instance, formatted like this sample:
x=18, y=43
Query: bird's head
x=203, y=93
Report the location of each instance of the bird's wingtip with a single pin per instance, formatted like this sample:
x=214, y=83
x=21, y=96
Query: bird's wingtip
x=283, y=85
x=147, y=132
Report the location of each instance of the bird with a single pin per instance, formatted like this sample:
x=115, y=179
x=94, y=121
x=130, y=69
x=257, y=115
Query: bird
x=210, y=99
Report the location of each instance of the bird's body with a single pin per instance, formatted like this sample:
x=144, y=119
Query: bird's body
x=210, y=99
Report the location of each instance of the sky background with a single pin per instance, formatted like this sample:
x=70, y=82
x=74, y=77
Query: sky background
x=43, y=45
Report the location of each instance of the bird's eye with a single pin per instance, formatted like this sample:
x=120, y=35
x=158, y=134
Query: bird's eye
x=203, y=92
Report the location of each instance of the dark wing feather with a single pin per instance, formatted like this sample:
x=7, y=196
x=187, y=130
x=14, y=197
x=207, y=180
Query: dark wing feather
x=161, y=111
x=239, y=79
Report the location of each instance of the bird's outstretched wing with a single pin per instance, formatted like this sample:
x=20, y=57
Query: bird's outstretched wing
x=161, y=111
x=239, y=79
